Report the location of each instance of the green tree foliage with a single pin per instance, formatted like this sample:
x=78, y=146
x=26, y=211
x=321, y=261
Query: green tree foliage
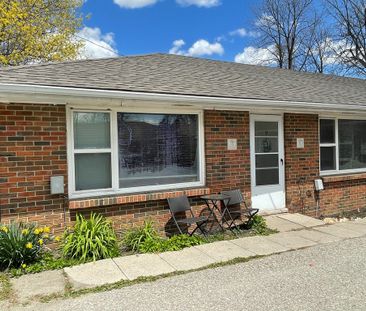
x=34, y=31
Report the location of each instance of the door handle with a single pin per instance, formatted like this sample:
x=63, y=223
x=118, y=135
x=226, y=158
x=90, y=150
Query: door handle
x=282, y=161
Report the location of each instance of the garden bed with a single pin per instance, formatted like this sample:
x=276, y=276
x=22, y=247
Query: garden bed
x=88, y=239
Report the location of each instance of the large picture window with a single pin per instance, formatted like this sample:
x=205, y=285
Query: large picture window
x=157, y=149
x=132, y=151
x=342, y=145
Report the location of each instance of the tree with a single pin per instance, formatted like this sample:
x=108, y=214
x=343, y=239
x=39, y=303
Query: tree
x=286, y=29
x=34, y=31
x=350, y=17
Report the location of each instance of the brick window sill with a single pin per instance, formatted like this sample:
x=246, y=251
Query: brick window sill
x=136, y=198
x=346, y=177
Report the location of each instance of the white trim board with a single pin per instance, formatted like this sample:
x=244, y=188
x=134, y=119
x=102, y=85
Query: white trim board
x=103, y=98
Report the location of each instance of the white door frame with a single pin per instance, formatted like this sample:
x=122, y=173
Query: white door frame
x=268, y=197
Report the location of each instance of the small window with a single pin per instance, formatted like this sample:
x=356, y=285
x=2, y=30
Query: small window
x=352, y=144
x=92, y=150
x=327, y=145
x=327, y=131
x=342, y=145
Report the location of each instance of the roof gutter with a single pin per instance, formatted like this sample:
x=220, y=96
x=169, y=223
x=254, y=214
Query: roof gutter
x=62, y=95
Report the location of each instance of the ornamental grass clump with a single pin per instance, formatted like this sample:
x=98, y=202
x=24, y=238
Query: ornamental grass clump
x=90, y=239
x=22, y=244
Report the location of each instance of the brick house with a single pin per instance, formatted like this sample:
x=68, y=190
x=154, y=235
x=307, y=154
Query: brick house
x=127, y=133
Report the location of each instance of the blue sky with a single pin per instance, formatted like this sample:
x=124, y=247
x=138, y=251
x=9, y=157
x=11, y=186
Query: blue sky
x=217, y=29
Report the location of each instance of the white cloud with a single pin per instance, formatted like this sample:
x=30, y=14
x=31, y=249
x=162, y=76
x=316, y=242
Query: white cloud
x=176, y=48
x=242, y=32
x=255, y=56
x=203, y=47
x=199, y=48
x=199, y=3
x=134, y=4
x=97, y=44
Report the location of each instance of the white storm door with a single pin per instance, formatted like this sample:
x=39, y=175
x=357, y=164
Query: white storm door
x=267, y=162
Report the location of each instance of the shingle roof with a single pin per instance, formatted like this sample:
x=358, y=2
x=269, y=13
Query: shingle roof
x=173, y=74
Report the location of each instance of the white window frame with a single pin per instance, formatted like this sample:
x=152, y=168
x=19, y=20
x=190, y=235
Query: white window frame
x=337, y=171
x=115, y=190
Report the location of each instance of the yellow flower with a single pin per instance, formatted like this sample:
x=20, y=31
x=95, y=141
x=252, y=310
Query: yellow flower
x=5, y=229
x=57, y=239
x=37, y=231
x=24, y=266
x=25, y=231
x=46, y=230
x=29, y=245
x=46, y=236
x=40, y=241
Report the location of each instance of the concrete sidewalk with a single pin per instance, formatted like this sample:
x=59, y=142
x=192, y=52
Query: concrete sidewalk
x=295, y=231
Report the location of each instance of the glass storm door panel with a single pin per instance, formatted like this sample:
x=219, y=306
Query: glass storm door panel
x=267, y=164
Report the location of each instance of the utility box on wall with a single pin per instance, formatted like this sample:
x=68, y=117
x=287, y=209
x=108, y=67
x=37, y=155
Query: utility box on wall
x=57, y=185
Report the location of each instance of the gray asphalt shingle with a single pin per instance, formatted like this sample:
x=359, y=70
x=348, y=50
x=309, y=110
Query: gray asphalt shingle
x=173, y=74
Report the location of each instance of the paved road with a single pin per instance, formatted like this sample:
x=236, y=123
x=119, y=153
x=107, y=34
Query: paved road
x=324, y=277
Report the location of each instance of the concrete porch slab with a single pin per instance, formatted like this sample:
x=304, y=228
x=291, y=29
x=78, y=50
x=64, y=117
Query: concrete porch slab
x=339, y=231
x=39, y=284
x=143, y=265
x=280, y=224
x=302, y=220
x=224, y=251
x=260, y=245
x=316, y=236
x=94, y=274
x=187, y=259
x=289, y=240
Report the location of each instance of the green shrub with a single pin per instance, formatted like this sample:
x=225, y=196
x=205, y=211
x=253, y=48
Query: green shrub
x=178, y=242
x=147, y=240
x=258, y=225
x=21, y=244
x=136, y=237
x=92, y=238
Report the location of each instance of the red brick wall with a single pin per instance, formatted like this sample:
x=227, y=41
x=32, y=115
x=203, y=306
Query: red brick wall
x=32, y=148
x=341, y=194
x=226, y=169
x=301, y=165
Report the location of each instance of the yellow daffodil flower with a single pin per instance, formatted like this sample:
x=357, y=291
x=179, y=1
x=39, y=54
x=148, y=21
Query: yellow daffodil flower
x=25, y=231
x=40, y=241
x=5, y=229
x=29, y=245
x=46, y=230
x=57, y=239
x=24, y=266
